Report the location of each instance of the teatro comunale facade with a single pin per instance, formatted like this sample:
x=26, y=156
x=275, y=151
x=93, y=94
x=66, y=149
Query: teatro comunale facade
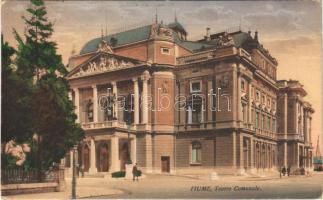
x=172, y=105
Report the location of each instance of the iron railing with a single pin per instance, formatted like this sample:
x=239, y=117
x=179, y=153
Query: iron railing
x=18, y=176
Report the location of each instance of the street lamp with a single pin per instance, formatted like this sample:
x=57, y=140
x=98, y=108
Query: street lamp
x=74, y=173
x=128, y=127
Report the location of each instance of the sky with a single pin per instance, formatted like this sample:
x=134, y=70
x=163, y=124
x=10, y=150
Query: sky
x=290, y=30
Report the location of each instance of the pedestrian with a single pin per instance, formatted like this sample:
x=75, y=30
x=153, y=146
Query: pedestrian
x=288, y=170
x=135, y=172
x=284, y=171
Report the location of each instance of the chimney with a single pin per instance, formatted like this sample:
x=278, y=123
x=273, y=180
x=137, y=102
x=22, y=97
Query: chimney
x=207, y=35
x=256, y=36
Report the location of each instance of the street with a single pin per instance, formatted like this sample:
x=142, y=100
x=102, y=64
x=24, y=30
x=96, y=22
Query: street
x=164, y=186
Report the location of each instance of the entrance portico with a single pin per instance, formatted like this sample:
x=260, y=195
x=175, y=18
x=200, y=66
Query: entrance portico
x=108, y=153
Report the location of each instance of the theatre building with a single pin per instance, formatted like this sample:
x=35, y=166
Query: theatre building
x=171, y=105
x=294, y=130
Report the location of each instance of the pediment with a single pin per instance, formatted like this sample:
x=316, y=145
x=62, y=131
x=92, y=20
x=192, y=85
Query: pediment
x=103, y=62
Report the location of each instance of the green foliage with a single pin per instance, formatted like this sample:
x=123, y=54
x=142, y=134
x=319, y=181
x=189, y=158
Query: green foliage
x=121, y=174
x=35, y=96
x=54, y=119
x=37, y=52
x=118, y=174
x=16, y=93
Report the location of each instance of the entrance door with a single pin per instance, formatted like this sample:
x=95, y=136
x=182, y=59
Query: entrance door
x=86, y=158
x=103, y=158
x=165, y=164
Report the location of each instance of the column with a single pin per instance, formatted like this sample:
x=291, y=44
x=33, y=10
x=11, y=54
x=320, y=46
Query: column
x=182, y=112
x=285, y=128
x=252, y=153
x=115, y=165
x=210, y=108
x=310, y=130
x=239, y=99
x=77, y=104
x=296, y=116
x=285, y=154
x=95, y=104
x=250, y=104
x=134, y=150
x=241, y=152
x=302, y=120
x=93, y=168
x=145, y=78
x=297, y=155
x=136, y=100
x=70, y=96
x=115, y=106
x=234, y=149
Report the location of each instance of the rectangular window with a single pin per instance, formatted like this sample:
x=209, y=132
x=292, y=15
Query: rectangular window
x=274, y=105
x=195, y=110
x=242, y=86
x=274, y=125
x=196, y=153
x=257, y=120
x=257, y=95
x=263, y=122
x=263, y=99
x=196, y=86
x=165, y=50
x=268, y=123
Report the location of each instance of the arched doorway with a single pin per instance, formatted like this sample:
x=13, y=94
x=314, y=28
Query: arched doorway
x=86, y=158
x=124, y=155
x=103, y=158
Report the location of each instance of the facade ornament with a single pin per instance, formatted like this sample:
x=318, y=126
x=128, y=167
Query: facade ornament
x=103, y=64
x=104, y=47
x=160, y=30
x=165, y=87
x=226, y=40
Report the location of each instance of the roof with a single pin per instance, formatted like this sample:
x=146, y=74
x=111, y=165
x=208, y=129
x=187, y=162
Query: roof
x=195, y=46
x=177, y=26
x=122, y=38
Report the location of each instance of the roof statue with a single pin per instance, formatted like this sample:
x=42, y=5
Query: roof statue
x=104, y=47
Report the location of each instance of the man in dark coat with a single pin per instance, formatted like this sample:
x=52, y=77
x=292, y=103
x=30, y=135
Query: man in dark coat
x=135, y=172
x=284, y=171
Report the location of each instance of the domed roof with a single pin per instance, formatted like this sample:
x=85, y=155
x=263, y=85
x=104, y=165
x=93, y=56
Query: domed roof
x=176, y=26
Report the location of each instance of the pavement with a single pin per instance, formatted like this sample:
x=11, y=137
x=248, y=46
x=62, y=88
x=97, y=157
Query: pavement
x=191, y=187
x=86, y=188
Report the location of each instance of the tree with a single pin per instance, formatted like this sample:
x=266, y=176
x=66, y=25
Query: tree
x=52, y=111
x=16, y=93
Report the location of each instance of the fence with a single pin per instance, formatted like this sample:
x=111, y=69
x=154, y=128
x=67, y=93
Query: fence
x=18, y=176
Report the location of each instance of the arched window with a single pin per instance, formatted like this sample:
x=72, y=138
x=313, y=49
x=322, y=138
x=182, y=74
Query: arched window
x=196, y=152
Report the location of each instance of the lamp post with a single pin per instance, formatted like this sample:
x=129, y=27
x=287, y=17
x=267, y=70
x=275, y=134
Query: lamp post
x=74, y=173
x=128, y=127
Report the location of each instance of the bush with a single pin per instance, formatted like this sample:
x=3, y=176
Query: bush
x=121, y=174
x=118, y=174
